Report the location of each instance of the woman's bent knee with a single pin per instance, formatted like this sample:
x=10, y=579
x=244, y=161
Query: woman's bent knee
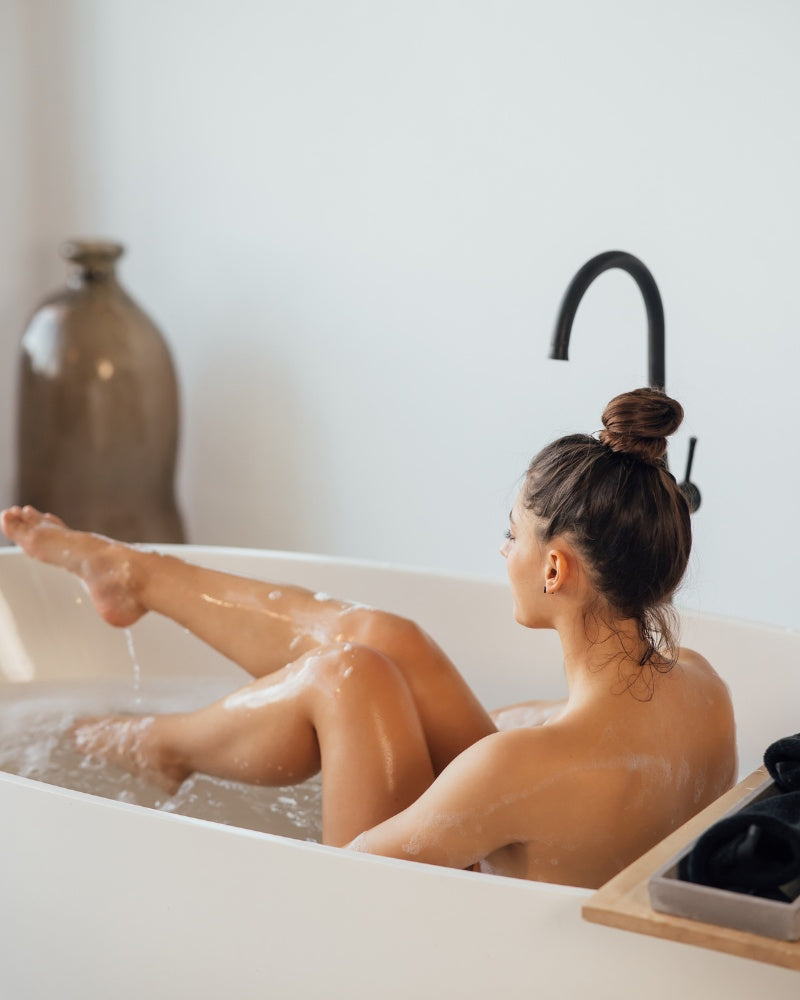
x=352, y=666
x=401, y=639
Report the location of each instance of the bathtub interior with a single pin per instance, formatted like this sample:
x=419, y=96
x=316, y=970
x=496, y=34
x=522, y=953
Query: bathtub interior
x=51, y=635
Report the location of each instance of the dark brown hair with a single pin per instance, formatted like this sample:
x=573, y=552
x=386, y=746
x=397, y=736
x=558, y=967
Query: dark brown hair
x=615, y=501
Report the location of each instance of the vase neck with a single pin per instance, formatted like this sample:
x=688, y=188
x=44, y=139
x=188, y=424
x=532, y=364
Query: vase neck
x=91, y=260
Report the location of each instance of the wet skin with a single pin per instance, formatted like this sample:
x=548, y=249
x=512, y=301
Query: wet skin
x=412, y=765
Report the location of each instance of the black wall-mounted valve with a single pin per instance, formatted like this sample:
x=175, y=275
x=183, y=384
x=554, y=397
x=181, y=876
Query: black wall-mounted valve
x=687, y=487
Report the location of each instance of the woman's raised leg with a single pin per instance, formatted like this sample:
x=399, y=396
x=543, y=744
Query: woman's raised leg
x=260, y=626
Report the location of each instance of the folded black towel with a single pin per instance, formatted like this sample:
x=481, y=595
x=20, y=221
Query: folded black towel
x=757, y=850
x=782, y=760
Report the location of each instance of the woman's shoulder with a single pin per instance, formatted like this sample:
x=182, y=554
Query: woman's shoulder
x=510, y=756
x=705, y=692
x=525, y=756
x=691, y=658
x=698, y=669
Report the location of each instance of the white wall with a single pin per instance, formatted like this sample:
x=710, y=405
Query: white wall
x=17, y=280
x=354, y=222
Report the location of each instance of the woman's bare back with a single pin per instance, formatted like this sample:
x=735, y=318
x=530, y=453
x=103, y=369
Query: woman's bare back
x=623, y=773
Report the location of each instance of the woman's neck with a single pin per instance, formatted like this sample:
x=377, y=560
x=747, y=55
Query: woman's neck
x=600, y=654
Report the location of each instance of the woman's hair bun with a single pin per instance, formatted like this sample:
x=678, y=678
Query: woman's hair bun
x=639, y=422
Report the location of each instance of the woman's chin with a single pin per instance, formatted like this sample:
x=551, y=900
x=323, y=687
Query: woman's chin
x=528, y=619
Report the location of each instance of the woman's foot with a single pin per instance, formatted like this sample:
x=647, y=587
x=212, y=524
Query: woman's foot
x=131, y=743
x=105, y=566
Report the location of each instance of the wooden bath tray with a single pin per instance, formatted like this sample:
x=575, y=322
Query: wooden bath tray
x=624, y=902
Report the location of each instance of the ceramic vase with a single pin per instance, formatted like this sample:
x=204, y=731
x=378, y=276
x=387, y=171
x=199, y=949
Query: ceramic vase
x=98, y=416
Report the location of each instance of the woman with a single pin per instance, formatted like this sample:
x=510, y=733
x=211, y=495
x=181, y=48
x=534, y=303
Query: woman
x=412, y=765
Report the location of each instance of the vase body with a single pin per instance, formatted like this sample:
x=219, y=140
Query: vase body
x=97, y=423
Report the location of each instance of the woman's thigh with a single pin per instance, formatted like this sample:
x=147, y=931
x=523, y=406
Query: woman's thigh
x=451, y=715
x=374, y=753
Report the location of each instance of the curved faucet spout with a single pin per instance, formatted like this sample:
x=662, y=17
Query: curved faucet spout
x=652, y=301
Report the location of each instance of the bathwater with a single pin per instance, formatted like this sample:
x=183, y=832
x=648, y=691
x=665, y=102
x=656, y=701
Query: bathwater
x=137, y=670
x=34, y=743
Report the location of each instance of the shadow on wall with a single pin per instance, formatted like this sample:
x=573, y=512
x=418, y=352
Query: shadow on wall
x=43, y=189
x=52, y=188
x=221, y=467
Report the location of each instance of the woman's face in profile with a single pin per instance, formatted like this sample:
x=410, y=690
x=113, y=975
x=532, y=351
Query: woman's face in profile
x=524, y=556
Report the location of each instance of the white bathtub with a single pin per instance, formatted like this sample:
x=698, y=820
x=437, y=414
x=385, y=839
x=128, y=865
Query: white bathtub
x=105, y=899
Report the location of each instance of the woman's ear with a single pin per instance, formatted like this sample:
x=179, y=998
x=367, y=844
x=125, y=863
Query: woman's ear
x=558, y=569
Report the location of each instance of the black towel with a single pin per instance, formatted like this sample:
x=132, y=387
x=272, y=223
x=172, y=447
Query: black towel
x=782, y=760
x=756, y=850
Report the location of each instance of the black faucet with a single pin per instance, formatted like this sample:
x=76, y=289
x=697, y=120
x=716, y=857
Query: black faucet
x=655, y=329
x=652, y=302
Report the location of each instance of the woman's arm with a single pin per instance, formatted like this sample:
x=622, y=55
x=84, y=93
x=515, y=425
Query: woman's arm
x=480, y=803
